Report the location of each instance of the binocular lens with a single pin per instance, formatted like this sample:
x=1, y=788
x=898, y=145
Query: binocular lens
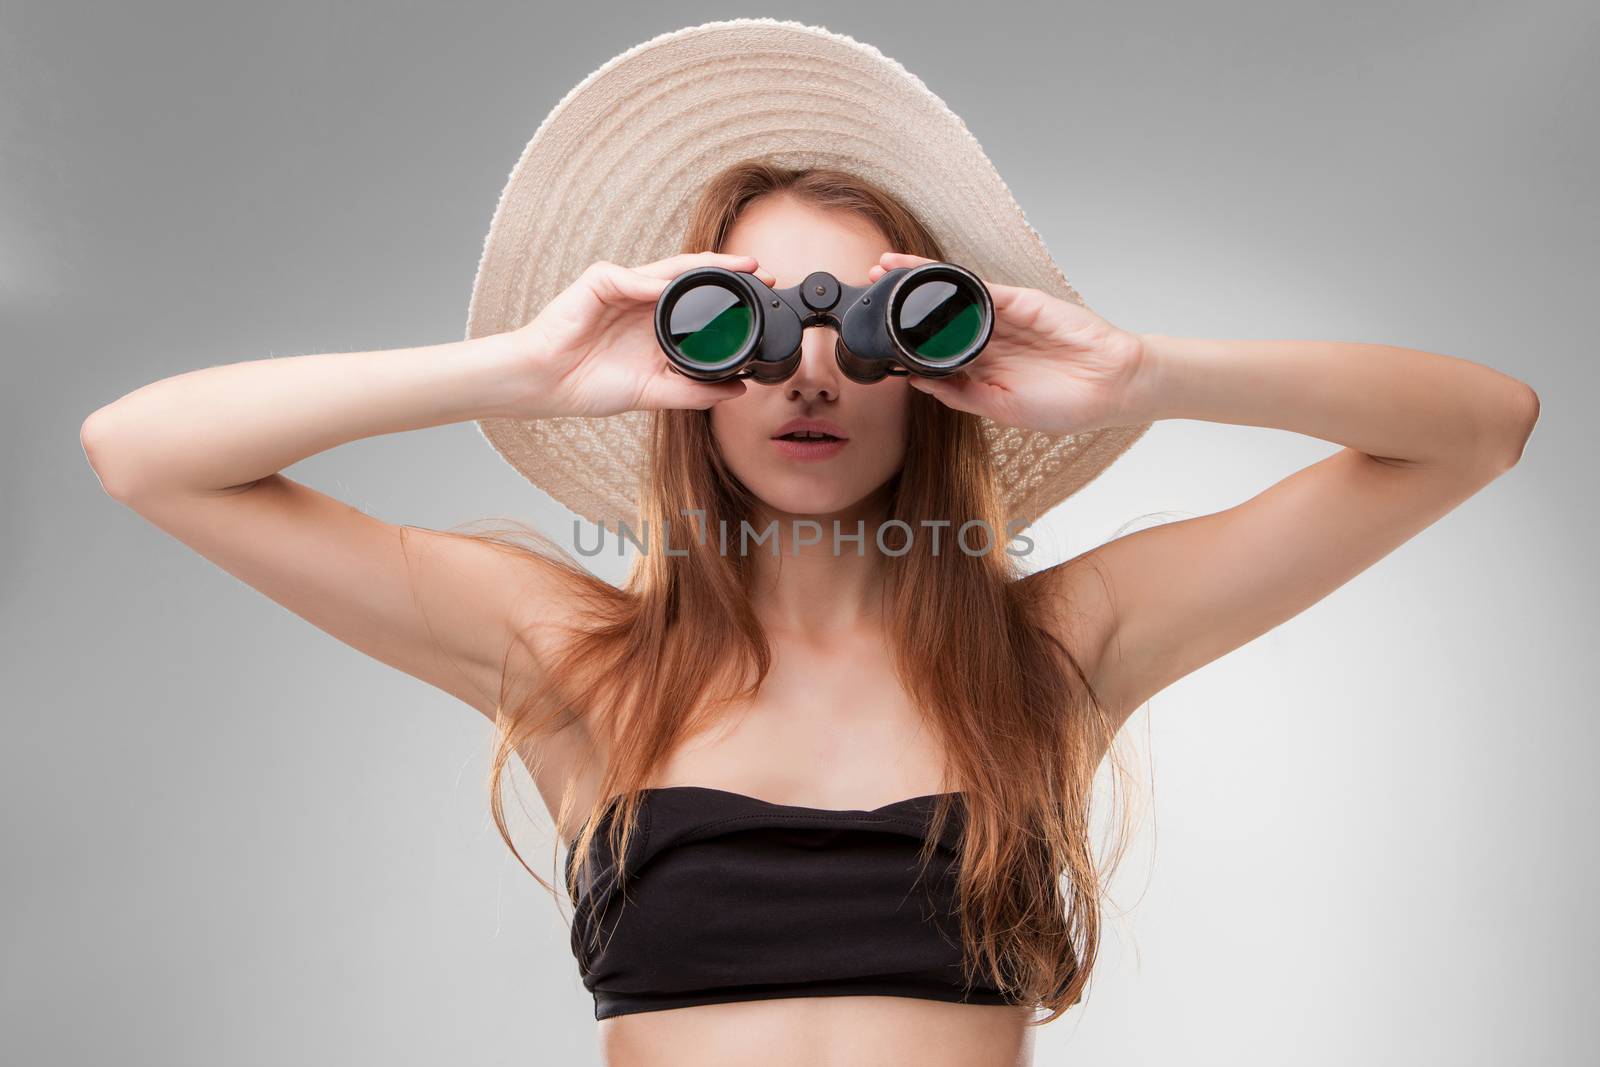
x=710, y=323
x=939, y=320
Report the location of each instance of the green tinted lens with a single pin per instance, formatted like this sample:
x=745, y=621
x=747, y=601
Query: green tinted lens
x=939, y=320
x=709, y=323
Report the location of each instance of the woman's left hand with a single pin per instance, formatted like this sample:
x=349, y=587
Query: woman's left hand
x=1050, y=364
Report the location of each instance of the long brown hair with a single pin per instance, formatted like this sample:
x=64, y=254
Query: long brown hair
x=655, y=661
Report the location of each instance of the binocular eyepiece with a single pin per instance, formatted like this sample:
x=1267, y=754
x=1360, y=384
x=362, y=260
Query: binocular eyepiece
x=716, y=324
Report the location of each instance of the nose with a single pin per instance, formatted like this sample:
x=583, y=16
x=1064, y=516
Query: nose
x=817, y=375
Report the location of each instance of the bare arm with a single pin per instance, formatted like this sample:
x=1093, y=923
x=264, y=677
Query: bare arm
x=198, y=455
x=220, y=429
x=1422, y=433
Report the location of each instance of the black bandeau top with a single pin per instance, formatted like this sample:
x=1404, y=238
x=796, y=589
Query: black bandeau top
x=726, y=897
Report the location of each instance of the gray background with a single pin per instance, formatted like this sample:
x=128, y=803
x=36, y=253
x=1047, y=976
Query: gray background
x=227, y=838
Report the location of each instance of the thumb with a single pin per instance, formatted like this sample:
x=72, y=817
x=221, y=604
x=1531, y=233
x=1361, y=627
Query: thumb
x=955, y=392
x=676, y=391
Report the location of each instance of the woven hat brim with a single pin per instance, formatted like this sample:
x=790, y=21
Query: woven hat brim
x=613, y=170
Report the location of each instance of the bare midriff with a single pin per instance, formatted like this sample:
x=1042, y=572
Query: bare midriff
x=837, y=1031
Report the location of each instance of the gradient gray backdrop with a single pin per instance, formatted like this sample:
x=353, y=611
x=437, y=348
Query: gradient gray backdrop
x=229, y=839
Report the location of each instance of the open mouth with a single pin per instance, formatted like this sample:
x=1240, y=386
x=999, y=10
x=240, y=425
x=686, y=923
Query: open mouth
x=809, y=446
x=807, y=435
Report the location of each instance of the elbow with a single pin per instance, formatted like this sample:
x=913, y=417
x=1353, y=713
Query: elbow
x=94, y=436
x=1519, y=414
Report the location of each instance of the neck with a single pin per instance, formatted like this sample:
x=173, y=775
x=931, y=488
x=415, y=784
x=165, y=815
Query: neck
x=829, y=585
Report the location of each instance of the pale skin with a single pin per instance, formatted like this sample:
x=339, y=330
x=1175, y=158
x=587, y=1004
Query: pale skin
x=200, y=455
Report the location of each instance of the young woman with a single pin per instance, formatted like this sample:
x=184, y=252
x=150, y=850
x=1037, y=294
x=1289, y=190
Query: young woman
x=860, y=708
x=822, y=806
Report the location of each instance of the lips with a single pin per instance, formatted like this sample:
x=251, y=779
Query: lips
x=813, y=429
x=809, y=440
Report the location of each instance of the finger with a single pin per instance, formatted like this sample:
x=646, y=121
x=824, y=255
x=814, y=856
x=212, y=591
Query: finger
x=891, y=260
x=743, y=264
x=766, y=276
x=1006, y=296
x=619, y=283
x=676, y=391
x=673, y=266
x=956, y=392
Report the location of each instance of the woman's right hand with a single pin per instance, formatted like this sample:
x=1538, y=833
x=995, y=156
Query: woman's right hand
x=592, y=350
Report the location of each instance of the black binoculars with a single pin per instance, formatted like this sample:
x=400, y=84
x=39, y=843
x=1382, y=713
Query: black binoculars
x=932, y=319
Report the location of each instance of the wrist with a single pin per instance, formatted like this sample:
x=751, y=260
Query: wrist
x=499, y=367
x=1145, y=396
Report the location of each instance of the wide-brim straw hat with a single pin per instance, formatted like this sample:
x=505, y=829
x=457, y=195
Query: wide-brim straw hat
x=615, y=167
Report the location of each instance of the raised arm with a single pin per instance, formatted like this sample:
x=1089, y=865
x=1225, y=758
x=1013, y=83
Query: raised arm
x=1422, y=433
x=199, y=456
